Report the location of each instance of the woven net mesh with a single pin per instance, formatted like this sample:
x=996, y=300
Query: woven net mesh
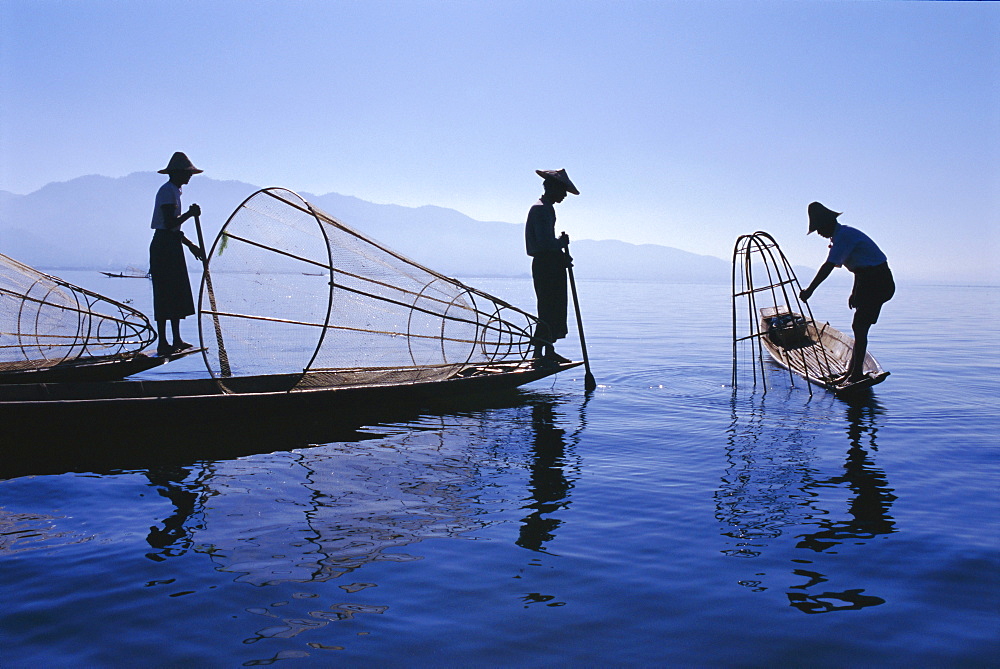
x=291, y=289
x=45, y=321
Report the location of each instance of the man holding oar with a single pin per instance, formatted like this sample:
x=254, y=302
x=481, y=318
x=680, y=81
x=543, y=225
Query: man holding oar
x=172, y=298
x=550, y=259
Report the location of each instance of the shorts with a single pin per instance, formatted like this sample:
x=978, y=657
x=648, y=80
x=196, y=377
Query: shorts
x=873, y=287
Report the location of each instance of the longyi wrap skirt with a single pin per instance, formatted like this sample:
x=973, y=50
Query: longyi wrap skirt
x=172, y=297
x=548, y=272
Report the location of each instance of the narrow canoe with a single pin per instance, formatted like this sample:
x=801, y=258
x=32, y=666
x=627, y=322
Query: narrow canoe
x=819, y=354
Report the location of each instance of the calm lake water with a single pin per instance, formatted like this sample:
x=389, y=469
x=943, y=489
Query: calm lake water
x=666, y=519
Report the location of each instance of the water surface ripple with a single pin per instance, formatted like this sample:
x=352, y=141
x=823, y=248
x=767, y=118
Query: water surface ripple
x=665, y=519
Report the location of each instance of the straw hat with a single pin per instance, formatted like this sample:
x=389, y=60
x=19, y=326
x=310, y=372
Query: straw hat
x=180, y=163
x=818, y=215
x=561, y=177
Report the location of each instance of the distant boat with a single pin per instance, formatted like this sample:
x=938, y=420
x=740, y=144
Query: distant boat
x=127, y=273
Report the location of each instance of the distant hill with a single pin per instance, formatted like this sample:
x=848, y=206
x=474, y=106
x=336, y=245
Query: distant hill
x=97, y=222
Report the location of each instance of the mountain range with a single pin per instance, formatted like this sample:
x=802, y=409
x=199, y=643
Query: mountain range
x=102, y=223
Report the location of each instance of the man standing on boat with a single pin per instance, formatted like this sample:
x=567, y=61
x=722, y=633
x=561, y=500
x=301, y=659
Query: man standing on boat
x=873, y=283
x=172, y=299
x=550, y=259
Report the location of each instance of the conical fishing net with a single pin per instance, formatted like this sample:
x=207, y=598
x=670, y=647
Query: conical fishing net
x=45, y=321
x=773, y=316
x=290, y=289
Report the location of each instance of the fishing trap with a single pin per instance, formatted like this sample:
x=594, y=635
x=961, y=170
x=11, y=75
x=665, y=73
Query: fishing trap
x=45, y=321
x=769, y=315
x=289, y=289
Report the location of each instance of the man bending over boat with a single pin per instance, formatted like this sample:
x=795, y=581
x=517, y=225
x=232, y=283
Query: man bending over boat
x=550, y=258
x=172, y=299
x=873, y=283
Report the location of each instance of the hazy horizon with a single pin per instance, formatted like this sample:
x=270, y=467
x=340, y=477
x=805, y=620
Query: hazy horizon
x=403, y=227
x=684, y=124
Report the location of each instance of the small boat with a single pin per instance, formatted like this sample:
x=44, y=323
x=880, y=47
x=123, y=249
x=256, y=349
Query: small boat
x=127, y=273
x=52, y=330
x=819, y=354
x=786, y=328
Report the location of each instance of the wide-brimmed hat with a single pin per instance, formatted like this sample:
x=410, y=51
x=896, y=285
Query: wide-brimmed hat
x=180, y=163
x=561, y=177
x=819, y=214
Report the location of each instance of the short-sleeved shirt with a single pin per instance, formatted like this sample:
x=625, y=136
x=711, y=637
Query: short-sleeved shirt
x=540, y=229
x=168, y=194
x=853, y=249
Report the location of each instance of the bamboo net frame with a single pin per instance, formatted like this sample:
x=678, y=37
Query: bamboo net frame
x=289, y=289
x=45, y=321
x=763, y=279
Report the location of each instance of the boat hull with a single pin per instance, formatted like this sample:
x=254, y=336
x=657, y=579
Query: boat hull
x=124, y=424
x=819, y=354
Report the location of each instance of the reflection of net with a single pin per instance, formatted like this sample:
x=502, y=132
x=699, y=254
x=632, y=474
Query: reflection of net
x=45, y=321
x=293, y=289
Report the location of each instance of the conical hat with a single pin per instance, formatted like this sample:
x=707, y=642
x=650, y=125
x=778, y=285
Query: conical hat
x=819, y=214
x=561, y=177
x=180, y=163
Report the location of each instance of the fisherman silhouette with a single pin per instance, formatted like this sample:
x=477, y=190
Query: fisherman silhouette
x=873, y=282
x=550, y=259
x=172, y=298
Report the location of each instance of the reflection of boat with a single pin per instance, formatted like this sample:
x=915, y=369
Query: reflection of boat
x=415, y=479
x=786, y=328
x=127, y=273
x=52, y=330
x=818, y=354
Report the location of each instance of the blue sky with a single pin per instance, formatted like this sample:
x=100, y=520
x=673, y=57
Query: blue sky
x=682, y=123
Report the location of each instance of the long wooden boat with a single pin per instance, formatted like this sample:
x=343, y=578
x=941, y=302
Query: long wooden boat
x=135, y=422
x=819, y=354
x=304, y=322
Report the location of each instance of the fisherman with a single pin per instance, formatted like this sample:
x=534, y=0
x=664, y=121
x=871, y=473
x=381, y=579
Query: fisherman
x=873, y=283
x=550, y=259
x=172, y=299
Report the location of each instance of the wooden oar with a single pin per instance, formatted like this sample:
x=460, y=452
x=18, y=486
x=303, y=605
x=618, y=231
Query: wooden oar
x=589, y=383
x=223, y=356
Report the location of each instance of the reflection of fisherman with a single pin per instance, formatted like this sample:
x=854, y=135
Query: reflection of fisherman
x=172, y=299
x=550, y=260
x=872, y=497
x=873, y=283
x=548, y=483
